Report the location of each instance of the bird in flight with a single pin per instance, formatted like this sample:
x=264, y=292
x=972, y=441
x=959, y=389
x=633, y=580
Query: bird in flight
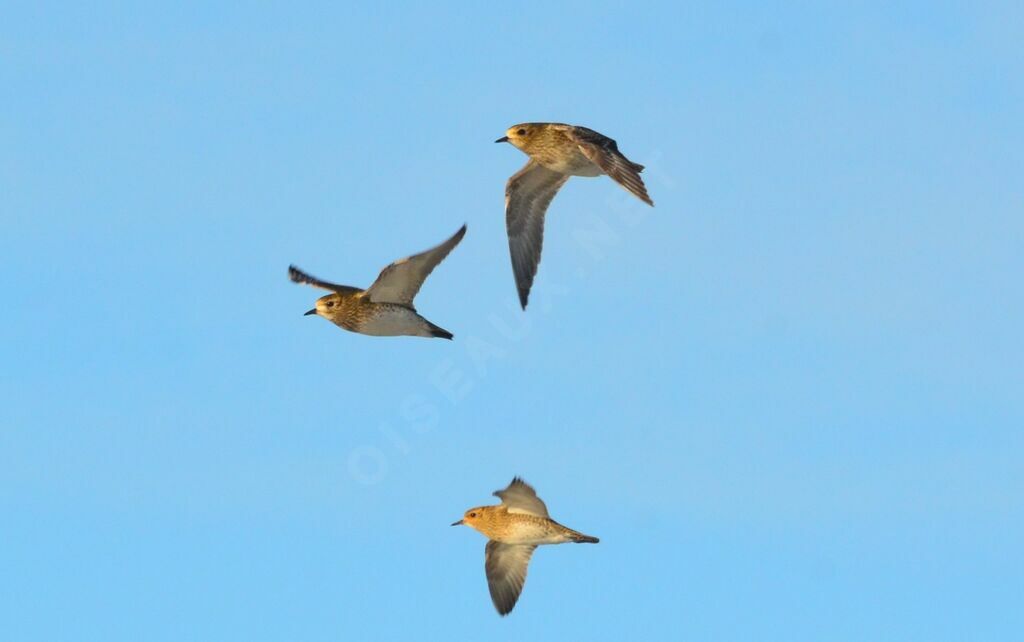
x=515, y=528
x=384, y=309
x=557, y=151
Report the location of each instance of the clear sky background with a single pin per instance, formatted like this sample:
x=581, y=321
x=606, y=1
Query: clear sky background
x=789, y=399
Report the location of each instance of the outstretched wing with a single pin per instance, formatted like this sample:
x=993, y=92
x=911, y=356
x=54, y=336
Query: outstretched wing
x=298, y=276
x=604, y=152
x=527, y=196
x=400, y=281
x=520, y=497
x=505, y=565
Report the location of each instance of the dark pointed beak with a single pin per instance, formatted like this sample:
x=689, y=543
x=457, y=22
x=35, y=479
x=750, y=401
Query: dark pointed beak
x=503, y=139
x=313, y=311
x=458, y=523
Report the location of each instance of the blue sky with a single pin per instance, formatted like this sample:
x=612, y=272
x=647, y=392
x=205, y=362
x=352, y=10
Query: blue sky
x=788, y=398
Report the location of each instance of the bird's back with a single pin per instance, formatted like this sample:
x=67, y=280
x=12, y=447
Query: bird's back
x=552, y=147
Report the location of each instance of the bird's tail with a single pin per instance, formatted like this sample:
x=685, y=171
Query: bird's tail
x=438, y=331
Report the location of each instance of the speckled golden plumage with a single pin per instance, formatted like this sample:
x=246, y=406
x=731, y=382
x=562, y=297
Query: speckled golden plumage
x=557, y=151
x=386, y=307
x=551, y=147
x=574, y=150
x=514, y=529
x=350, y=310
x=500, y=525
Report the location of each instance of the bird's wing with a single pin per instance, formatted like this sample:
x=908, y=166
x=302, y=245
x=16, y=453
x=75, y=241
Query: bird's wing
x=298, y=276
x=505, y=565
x=527, y=196
x=520, y=497
x=400, y=281
x=604, y=152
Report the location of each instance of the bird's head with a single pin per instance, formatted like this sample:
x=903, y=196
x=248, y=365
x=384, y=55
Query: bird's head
x=327, y=306
x=520, y=135
x=475, y=517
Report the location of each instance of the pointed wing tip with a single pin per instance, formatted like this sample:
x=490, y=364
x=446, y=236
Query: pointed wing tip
x=504, y=604
x=524, y=283
x=295, y=274
x=637, y=191
x=515, y=480
x=637, y=188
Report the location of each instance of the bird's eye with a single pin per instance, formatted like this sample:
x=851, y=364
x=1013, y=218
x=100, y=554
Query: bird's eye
x=472, y=514
x=521, y=132
x=330, y=304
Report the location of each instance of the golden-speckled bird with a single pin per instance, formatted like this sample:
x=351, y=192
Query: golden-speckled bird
x=384, y=309
x=515, y=528
x=557, y=151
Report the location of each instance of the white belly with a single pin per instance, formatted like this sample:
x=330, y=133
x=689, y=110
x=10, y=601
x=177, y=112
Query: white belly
x=576, y=165
x=589, y=170
x=394, y=321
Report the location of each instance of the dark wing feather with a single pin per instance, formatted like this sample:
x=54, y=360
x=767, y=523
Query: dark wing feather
x=505, y=565
x=604, y=152
x=298, y=276
x=527, y=196
x=520, y=497
x=400, y=281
